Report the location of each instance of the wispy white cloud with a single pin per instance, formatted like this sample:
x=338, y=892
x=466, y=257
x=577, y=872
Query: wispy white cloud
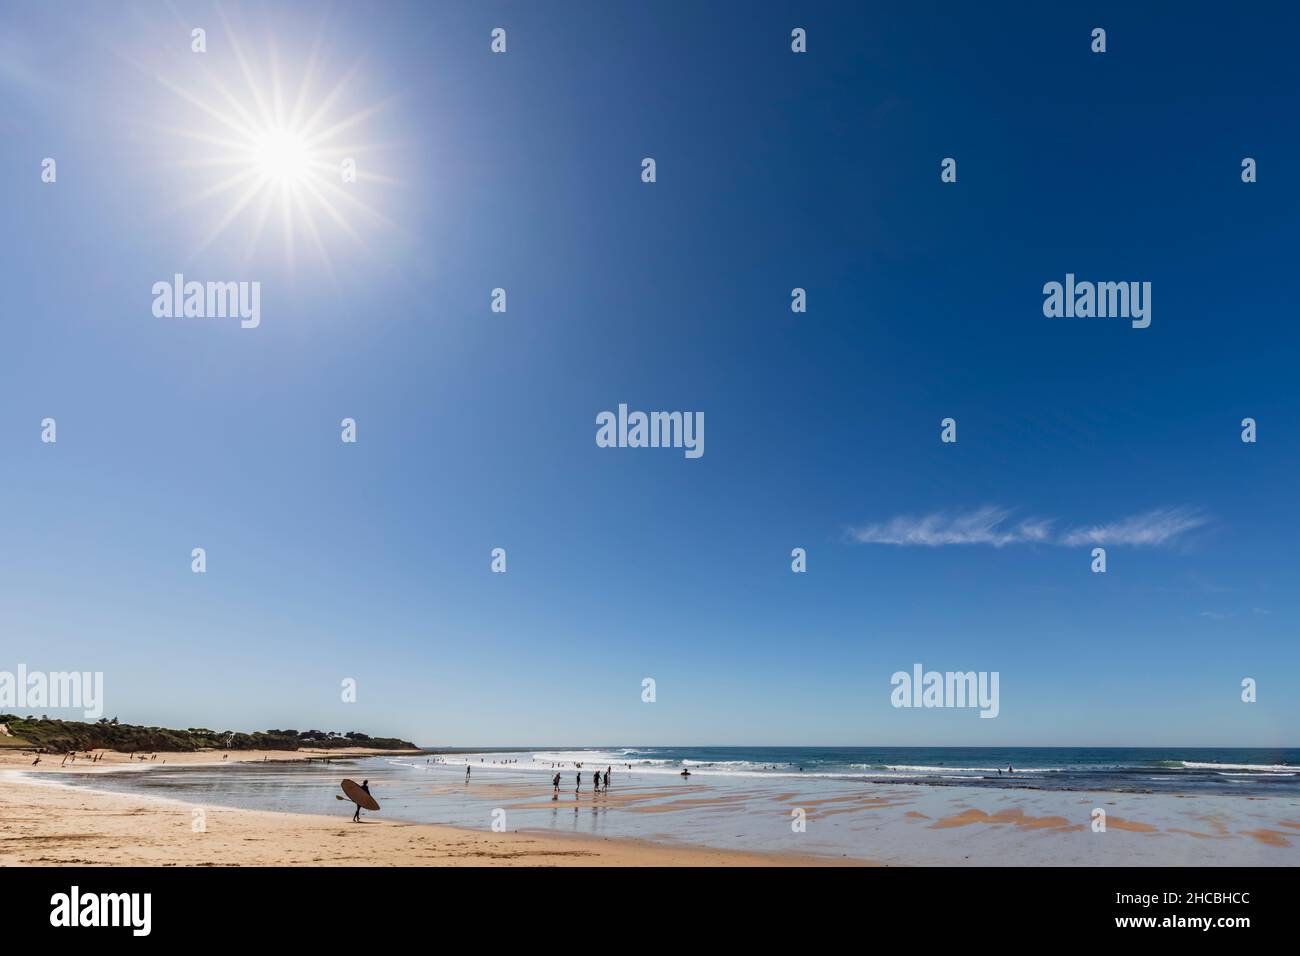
x=987, y=525
x=995, y=526
x=1226, y=615
x=1151, y=529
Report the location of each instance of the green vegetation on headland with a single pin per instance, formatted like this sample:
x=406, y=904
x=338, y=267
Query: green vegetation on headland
x=63, y=735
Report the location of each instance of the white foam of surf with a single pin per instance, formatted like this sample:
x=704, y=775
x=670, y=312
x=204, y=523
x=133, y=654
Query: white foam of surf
x=635, y=761
x=1254, y=767
x=923, y=769
x=647, y=761
x=1229, y=773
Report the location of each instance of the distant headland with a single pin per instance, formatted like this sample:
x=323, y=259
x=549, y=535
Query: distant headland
x=109, y=734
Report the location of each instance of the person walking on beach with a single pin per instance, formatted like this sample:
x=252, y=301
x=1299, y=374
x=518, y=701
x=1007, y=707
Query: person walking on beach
x=356, y=817
x=607, y=770
x=577, y=783
x=467, y=773
x=555, y=786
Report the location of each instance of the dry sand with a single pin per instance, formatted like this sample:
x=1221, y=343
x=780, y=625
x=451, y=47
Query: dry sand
x=16, y=758
x=49, y=824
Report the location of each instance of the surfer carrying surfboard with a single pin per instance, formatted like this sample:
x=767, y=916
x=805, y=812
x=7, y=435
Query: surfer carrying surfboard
x=360, y=795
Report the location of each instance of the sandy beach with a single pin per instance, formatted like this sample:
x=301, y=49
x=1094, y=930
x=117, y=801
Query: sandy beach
x=19, y=758
x=46, y=823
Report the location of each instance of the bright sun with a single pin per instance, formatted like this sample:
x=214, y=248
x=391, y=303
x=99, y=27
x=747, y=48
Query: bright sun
x=268, y=152
x=282, y=156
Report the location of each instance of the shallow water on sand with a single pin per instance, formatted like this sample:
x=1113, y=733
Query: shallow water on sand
x=886, y=823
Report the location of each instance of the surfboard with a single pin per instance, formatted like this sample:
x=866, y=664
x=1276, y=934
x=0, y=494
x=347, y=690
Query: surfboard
x=359, y=796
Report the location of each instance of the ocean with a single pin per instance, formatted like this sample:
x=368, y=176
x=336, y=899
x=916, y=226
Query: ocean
x=1142, y=769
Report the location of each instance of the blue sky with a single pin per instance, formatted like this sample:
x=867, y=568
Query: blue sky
x=476, y=430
